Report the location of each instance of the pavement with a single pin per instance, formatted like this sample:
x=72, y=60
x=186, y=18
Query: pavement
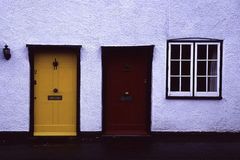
x=122, y=148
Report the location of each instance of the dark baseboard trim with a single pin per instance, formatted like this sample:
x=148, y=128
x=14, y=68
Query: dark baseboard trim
x=7, y=137
x=159, y=133
x=197, y=136
x=10, y=137
x=14, y=134
x=14, y=137
x=90, y=134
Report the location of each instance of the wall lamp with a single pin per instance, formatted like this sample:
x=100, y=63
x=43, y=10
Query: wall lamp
x=6, y=52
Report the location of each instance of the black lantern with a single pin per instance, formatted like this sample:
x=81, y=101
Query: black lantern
x=6, y=52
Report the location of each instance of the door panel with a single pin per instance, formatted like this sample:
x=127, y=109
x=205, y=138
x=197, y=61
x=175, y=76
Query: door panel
x=54, y=115
x=126, y=91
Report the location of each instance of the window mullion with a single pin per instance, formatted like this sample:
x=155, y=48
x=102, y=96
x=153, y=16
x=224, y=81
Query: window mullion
x=180, y=67
x=195, y=68
x=207, y=68
x=192, y=70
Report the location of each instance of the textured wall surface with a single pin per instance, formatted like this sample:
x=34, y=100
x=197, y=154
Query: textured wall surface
x=96, y=23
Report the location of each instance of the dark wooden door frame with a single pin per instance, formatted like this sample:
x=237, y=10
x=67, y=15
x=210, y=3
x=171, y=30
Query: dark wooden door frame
x=141, y=49
x=32, y=48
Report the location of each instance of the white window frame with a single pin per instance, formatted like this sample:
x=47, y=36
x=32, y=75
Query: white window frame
x=193, y=93
x=180, y=93
x=207, y=93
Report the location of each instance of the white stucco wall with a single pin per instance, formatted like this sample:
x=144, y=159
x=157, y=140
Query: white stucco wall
x=93, y=23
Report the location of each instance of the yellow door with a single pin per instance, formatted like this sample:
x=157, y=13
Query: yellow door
x=55, y=88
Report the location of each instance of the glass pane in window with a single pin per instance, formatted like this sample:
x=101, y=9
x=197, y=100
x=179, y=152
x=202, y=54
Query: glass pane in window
x=201, y=52
x=201, y=84
x=174, y=84
x=212, y=52
x=186, y=52
x=186, y=67
x=175, y=51
x=201, y=67
x=174, y=67
x=185, y=84
x=212, y=68
x=212, y=84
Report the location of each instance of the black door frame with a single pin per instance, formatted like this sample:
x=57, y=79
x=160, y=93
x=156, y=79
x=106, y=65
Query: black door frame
x=32, y=48
x=139, y=49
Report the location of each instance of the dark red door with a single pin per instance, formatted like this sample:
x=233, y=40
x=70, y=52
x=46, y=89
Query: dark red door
x=126, y=90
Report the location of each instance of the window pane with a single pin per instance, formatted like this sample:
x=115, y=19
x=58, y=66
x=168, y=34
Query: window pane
x=212, y=68
x=201, y=67
x=201, y=84
x=186, y=67
x=212, y=84
x=175, y=51
x=186, y=51
x=175, y=67
x=174, y=84
x=212, y=52
x=185, y=84
x=201, y=52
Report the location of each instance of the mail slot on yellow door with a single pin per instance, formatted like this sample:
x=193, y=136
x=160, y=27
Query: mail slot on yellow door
x=55, y=91
x=53, y=97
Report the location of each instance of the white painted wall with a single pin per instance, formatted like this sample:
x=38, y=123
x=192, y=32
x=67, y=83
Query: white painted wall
x=93, y=23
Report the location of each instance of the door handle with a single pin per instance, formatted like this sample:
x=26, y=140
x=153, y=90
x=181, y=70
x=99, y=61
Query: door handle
x=55, y=90
x=126, y=97
x=126, y=93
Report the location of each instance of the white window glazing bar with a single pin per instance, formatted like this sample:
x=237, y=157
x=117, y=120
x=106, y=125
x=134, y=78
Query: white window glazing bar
x=169, y=67
x=195, y=75
x=206, y=68
x=191, y=69
x=218, y=67
x=180, y=69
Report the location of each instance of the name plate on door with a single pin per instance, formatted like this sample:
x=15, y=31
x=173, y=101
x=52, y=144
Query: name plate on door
x=54, y=98
x=126, y=98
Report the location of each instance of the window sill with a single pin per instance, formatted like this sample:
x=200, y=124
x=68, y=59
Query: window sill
x=193, y=98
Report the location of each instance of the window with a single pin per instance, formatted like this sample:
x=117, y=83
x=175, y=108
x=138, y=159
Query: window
x=194, y=68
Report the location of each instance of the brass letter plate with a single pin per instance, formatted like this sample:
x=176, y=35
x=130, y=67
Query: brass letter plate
x=54, y=97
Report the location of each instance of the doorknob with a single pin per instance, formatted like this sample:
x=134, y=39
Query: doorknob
x=126, y=97
x=55, y=90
